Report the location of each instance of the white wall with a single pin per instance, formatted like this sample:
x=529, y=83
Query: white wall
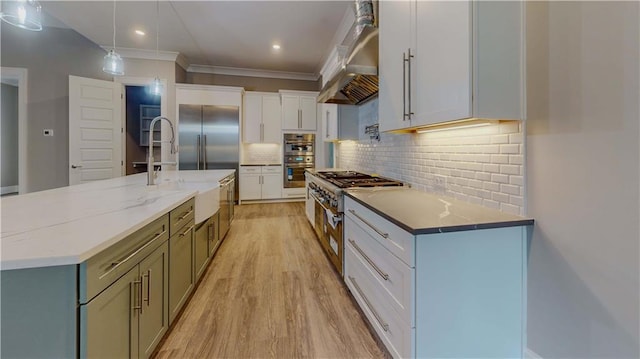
x=482, y=165
x=583, y=177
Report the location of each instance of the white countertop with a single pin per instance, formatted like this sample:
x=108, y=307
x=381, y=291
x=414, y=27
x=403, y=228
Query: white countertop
x=68, y=225
x=422, y=213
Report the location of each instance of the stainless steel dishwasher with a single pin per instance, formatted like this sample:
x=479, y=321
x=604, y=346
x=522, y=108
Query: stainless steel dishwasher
x=227, y=203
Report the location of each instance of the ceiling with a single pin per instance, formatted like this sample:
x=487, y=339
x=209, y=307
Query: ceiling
x=235, y=34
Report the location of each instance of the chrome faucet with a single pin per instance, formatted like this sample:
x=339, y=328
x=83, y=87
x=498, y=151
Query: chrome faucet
x=151, y=174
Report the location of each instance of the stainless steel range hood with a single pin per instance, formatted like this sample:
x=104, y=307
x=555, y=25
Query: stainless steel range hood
x=357, y=81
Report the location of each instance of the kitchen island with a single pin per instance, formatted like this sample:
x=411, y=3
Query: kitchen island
x=437, y=277
x=64, y=248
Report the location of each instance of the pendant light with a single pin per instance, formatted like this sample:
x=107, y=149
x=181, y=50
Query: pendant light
x=25, y=14
x=156, y=86
x=113, y=64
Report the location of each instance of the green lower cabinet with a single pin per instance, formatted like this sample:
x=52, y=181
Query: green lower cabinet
x=181, y=278
x=214, y=233
x=201, y=248
x=129, y=318
x=154, y=321
x=109, y=322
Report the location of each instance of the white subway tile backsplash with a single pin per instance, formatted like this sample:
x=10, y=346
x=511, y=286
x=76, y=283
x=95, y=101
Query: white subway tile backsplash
x=481, y=165
x=510, y=169
x=497, y=178
x=510, y=149
x=500, y=139
x=510, y=189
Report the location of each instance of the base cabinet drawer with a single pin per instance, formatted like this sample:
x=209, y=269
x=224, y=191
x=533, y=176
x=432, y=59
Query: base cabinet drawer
x=388, y=272
x=394, y=332
x=398, y=241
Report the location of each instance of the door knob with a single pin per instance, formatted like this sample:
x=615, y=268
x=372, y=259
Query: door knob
x=76, y=166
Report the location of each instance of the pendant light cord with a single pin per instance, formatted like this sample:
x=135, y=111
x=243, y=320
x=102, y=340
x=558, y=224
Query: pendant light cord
x=157, y=29
x=114, y=25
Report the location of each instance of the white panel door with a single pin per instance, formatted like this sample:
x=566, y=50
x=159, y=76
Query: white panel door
x=94, y=130
x=272, y=185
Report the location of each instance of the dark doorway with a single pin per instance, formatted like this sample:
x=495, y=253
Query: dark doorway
x=142, y=107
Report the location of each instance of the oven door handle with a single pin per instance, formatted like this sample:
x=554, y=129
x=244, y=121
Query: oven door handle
x=336, y=218
x=298, y=165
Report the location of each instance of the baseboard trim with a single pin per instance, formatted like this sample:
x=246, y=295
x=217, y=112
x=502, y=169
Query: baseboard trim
x=530, y=354
x=8, y=189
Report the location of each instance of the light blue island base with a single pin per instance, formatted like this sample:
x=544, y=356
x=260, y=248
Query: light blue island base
x=471, y=294
x=39, y=312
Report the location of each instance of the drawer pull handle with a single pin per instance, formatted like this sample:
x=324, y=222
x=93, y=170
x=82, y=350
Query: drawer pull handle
x=384, y=325
x=118, y=263
x=384, y=275
x=383, y=234
x=185, y=214
x=185, y=232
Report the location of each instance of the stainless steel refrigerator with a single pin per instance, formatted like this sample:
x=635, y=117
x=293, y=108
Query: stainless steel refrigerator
x=209, y=138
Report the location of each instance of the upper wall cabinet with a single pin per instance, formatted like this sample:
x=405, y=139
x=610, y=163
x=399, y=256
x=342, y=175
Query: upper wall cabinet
x=262, y=115
x=424, y=62
x=448, y=60
x=339, y=122
x=299, y=110
x=498, y=71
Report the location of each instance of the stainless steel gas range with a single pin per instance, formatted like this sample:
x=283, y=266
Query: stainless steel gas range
x=325, y=199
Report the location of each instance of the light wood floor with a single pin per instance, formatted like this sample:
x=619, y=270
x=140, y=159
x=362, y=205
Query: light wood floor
x=270, y=292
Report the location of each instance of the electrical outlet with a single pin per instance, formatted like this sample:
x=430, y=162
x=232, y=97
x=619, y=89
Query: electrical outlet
x=439, y=183
x=47, y=132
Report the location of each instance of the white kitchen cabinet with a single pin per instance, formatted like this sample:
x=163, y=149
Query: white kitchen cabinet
x=498, y=71
x=451, y=67
x=432, y=295
x=339, y=122
x=299, y=110
x=425, y=63
x=262, y=113
x=260, y=182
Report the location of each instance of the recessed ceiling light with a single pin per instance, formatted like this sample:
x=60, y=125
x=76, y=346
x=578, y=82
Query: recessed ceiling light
x=140, y=32
x=276, y=47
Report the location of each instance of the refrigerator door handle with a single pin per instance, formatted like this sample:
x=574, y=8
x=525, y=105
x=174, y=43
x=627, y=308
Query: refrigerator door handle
x=204, y=147
x=198, y=149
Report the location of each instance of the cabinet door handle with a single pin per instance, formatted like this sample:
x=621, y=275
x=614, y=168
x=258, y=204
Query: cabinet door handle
x=137, y=295
x=381, y=233
x=262, y=132
x=148, y=275
x=382, y=274
x=384, y=325
x=299, y=118
x=409, y=82
x=185, y=232
x=404, y=86
x=327, y=125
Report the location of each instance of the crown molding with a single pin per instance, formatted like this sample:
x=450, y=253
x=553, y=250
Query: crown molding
x=237, y=71
x=145, y=54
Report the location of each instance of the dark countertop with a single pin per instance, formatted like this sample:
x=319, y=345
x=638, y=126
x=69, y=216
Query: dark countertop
x=420, y=212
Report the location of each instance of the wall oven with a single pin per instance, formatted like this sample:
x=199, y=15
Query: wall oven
x=298, y=157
